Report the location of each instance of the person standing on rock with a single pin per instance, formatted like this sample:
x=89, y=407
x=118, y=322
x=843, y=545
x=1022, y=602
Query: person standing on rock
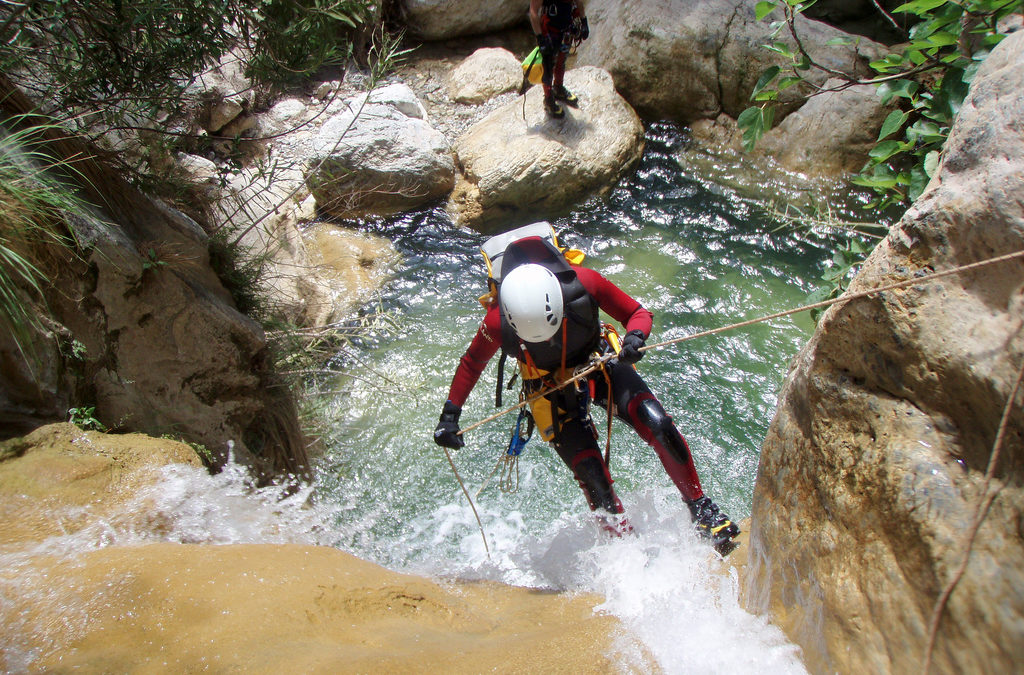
x=544, y=311
x=559, y=26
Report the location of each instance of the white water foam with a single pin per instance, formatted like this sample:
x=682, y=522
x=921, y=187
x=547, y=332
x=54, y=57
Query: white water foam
x=677, y=597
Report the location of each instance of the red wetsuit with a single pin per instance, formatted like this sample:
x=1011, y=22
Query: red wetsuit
x=612, y=300
x=631, y=400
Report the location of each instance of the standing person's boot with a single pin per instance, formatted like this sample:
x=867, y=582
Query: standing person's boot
x=566, y=96
x=552, y=108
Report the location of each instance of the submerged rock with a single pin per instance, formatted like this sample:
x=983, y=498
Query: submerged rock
x=519, y=164
x=874, y=467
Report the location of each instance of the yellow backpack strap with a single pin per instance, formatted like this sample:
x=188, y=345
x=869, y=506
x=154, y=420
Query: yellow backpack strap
x=491, y=296
x=574, y=256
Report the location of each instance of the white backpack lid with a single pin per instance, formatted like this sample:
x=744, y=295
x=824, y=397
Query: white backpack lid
x=494, y=248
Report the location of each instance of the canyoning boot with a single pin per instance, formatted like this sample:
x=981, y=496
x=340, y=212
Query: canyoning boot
x=552, y=108
x=614, y=524
x=713, y=525
x=564, y=95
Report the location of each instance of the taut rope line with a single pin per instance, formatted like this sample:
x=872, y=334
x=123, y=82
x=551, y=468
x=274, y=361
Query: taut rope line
x=844, y=298
x=597, y=363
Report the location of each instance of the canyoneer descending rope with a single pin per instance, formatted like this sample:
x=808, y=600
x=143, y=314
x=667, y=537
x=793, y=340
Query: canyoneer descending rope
x=543, y=309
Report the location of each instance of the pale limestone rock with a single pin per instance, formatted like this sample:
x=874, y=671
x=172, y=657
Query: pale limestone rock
x=197, y=169
x=379, y=156
x=483, y=75
x=694, y=59
x=516, y=169
x=384, y=136
x=226, y=90
x=223, y=112
x=444, y=19
x=831, y=134
x=875, y=463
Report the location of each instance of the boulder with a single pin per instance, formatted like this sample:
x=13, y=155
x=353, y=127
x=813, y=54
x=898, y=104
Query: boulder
x=484, y=74
x=831, y=134
x=267, y=204
x=378, y=156
x=518, y=164
x=883, y=450
x=444, y=19
x=687, y=60
x=138, y=331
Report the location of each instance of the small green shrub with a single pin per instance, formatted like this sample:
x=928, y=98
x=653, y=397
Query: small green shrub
x=85, y=418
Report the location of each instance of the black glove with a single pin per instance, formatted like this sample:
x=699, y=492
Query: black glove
x=547, y=46
x=447, y=427
x=631, y=344
x=584, y=28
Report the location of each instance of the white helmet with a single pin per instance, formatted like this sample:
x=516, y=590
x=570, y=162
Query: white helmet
x=531, y=301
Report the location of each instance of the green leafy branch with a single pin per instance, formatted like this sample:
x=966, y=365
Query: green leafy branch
x=926, y=80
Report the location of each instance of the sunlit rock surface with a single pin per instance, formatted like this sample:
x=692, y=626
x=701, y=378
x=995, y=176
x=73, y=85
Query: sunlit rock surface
x=72, y=599
x=831, y=134
x=519, y=164
x=484, y=74
x=874, y=466
x=692, y=60
x=687, y=60
x=380, y=156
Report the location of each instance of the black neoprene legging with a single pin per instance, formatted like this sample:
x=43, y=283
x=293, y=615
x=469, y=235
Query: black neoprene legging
x=576, y=436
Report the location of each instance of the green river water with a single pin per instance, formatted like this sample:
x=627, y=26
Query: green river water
x=691, y=236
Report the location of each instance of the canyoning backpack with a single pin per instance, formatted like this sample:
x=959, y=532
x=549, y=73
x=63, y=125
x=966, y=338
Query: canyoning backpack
x=581, y=328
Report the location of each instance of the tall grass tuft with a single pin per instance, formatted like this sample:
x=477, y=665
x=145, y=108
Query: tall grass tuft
x=33, y=203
